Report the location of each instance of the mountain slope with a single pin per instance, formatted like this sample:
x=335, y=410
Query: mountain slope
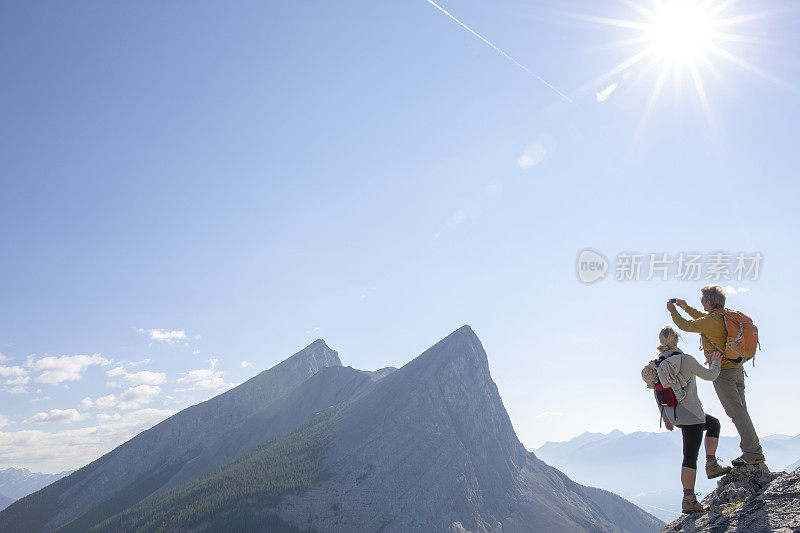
x=141, y=466
x=429, y=447
x=328, y=387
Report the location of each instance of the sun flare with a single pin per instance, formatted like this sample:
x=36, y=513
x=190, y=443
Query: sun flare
x=681, y=32
x=676, y=39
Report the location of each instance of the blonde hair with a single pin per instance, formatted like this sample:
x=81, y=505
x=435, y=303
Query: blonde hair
x=714, y=295
x=668, y=338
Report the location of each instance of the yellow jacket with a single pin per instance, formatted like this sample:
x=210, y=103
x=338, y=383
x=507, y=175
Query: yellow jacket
x=711, y=328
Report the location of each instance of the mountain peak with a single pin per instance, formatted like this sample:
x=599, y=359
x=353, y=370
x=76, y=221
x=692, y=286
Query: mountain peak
x=448, y=387
x=317, y=354
x=461, y=344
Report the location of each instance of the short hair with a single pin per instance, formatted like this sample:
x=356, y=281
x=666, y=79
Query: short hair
x=668, y=338
x=714, y=295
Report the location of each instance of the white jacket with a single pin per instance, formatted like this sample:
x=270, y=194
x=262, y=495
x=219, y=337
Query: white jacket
x=678, y=371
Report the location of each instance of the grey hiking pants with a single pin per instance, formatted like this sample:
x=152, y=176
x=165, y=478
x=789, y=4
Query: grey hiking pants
x=730, y=390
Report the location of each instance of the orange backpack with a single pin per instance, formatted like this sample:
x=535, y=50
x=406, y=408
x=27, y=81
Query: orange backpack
x=742, y=337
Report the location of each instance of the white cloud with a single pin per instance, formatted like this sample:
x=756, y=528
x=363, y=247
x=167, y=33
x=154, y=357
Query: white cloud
x=206, y=378
x=12, y=371
x=55, y=415
x=40, y=399
x=17, y=379
x=162, y=335
x=548, y=414
x=195, y=352
x=3, y=357
x=730, y=289
x=144, y=377
x=139, y=363
x=133, y=398
x=4, y=421
x=137, y=396
x=245, y=364
x=105, y=417
x=532, y=156
x=56, y=370
x=21, y=380
x=104, y=402
x=72, y=448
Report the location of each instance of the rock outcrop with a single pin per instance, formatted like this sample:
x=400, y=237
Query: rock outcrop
x=751, y=499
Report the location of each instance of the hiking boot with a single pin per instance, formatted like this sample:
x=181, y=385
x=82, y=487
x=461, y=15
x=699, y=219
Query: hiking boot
x=714, y=469
x=690, y=505
x=748, y=458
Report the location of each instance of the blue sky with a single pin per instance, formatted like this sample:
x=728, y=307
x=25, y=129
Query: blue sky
x=254, y=176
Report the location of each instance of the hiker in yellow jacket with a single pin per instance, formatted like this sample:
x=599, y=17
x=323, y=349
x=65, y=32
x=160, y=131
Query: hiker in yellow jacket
x=730, y=383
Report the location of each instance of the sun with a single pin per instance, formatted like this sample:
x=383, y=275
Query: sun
x=681, y=32
x=676, y=39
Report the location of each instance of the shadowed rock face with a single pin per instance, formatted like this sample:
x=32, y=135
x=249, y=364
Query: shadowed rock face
x=751, y=499
x=149, y=460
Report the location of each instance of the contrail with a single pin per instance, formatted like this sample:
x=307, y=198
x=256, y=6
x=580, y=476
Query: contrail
x=520, y=65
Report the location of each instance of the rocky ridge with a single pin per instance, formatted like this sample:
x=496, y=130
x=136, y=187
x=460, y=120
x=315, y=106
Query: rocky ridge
x=749, y=498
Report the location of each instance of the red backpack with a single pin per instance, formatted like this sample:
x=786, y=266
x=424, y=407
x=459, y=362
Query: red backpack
x=665, y=396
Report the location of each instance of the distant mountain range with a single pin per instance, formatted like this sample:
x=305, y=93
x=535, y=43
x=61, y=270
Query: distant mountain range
x=18, y=482
x=310, y=445
x=604, y=459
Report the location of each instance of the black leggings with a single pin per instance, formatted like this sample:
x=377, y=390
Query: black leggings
x=693, y=437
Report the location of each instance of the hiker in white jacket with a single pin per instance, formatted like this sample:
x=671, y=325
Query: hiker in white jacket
x=678, y=370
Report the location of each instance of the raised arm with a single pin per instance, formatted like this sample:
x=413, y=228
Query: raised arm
x=696, y=325
x=691, y=311
x=708, y=374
